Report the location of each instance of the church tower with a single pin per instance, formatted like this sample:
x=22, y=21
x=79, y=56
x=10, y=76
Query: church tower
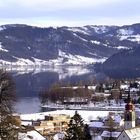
x=129, y=115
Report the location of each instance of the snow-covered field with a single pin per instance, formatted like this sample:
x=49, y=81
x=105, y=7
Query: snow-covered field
x=63, y=59
x=86, y=115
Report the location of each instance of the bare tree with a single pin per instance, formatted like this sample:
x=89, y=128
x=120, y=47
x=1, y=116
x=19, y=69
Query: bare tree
x=7, y=100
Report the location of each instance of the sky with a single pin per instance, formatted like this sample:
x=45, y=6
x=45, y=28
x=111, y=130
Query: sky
x=45, y=13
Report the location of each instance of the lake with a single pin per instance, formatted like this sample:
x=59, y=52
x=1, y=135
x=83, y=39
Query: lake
x=30, y=82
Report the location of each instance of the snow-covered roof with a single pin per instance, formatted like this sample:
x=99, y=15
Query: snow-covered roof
x=25, y=123
x=33, y=117
x=133, y=132
x=92, y=87
x=36, y=135
x=96, y=124
x=83, y=87
x=59, y=136
x=124, y=86
x=138, y=82
x=134, y=89
x=31, y=135
x=107, y=134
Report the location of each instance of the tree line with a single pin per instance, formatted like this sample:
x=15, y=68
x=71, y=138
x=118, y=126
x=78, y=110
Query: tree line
x=65, y=94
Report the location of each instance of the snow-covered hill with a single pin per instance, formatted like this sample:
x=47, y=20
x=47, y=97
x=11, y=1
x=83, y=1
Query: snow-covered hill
x=26, y=45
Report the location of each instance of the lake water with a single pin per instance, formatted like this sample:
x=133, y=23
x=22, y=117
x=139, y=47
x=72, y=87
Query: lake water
x=27, y=105
x=30, y=82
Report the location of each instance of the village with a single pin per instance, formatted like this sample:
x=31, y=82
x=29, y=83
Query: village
x=112, y=113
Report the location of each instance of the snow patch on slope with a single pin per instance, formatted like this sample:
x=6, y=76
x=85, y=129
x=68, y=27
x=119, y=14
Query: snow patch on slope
x=2, y=49
x=77, y=59
x=122, y=47
x=95, y=42
x=2, y=28
x=125, y=32
x=79, y=37
x=63, y=59
x=22, y=61
x=87, y=29
x=134, y=38
x=100, y=29
x=83, y=30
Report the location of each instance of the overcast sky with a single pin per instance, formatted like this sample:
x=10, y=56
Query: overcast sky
x=69, y=12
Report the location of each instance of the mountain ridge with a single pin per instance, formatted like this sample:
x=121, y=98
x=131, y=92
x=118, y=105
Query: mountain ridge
x=29, y=45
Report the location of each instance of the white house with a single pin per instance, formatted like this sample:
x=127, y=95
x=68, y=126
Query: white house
x=124, y=86
x=130, y=134
x=132, y=90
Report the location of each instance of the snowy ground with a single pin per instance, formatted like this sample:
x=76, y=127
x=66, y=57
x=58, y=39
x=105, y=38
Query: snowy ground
x=86, y=115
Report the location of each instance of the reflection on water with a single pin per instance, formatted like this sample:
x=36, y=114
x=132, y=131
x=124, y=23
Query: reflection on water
x=123, y=73
x=29, y=82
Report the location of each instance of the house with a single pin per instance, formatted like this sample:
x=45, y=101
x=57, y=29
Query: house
x=96, y=127
x=130, y=134
x=106, y=135
x=113, y=121
x=57, y=123
x=46, y=124
x=134, y=90
x=124, y=87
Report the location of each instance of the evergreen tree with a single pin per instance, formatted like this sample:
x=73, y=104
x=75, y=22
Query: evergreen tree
x=7, y=99
x=87, y=132
x=76, y=129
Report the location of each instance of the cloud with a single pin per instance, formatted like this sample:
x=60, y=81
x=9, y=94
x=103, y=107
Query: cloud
x=56, y=4
x=69, y=12
x=48, y=8
x=47, y=22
